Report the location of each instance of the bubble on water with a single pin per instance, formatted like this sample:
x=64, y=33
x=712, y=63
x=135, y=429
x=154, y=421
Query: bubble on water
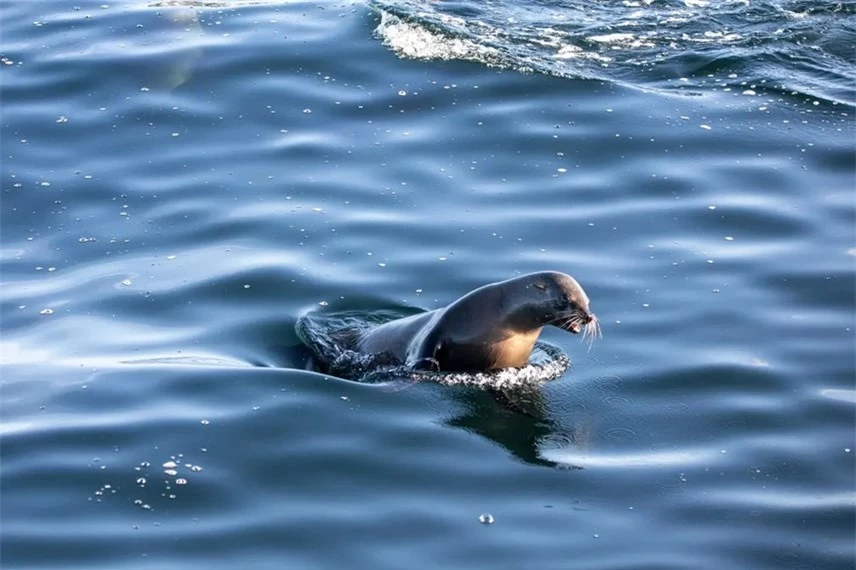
x=705, y=127
x=170, y=472
x=195, y=468
x=205, y=422
x=402, y=92
x=46, y=311
x=323, y=303
x=126, y=282
x=141, y=481
x=62, y=119
x=486, y=518
x=181, y=481
x=170, y=257
x=170, y=465
x=307, y=111
x=84, y=239
x=729, y=238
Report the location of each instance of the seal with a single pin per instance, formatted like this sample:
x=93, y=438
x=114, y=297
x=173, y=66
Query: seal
x=492, y=327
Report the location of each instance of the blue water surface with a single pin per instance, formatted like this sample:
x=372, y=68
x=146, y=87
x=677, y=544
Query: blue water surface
x=182, y=181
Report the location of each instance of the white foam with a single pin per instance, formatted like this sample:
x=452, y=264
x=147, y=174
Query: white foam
x=411, y=40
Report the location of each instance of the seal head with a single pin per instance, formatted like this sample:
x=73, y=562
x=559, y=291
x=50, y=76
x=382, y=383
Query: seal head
x=496, y=326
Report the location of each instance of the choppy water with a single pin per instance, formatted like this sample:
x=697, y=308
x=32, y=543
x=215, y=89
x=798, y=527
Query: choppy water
x=180, y=183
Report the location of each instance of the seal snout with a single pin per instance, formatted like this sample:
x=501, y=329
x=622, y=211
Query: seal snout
x=580, y=319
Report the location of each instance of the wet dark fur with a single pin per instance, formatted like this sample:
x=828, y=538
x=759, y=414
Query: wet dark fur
x=492, y=327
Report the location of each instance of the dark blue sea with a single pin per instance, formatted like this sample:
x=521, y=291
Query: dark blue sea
x=183, y=180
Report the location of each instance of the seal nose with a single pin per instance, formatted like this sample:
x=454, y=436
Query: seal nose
x=589, y=317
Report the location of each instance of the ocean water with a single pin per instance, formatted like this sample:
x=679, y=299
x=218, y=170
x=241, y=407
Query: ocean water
x=182, y=181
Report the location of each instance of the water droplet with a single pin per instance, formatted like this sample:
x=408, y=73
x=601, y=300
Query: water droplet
x=486, y=518
x=46, y=311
